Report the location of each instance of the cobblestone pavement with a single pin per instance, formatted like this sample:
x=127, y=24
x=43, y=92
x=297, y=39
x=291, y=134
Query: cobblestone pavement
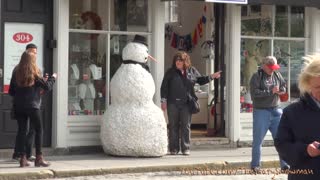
x=180, y=176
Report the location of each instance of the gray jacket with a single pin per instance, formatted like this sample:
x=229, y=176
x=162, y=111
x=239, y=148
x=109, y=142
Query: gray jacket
x=261, y=85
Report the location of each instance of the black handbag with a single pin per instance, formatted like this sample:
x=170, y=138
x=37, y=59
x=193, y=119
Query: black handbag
x=193, y=104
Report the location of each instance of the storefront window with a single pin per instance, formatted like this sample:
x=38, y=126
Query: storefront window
x=130, y=15
x=289, y=55
x=253, y=50
x=286, y=42
x=87, y=80
x=256, y=20
x=297, y=21
x=281, y=21
x=92, y=63
x=88, y=14
x=173, y=11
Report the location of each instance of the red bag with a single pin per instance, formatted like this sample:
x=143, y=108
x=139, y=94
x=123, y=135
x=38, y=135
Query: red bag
x=284, y=97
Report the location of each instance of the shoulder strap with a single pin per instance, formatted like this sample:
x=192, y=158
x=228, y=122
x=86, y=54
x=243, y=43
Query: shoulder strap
x=261, y=76
x=279, y=76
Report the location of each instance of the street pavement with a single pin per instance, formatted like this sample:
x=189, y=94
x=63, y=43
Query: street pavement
x=212, y=160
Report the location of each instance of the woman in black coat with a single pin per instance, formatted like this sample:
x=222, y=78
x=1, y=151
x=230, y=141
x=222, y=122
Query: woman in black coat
x=25, y=87
x=298, y=135
x=178, y=81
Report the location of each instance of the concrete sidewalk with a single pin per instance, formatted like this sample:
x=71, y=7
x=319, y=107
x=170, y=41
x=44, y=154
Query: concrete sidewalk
x=98, y=164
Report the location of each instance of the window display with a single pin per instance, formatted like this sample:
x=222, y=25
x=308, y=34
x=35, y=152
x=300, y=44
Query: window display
x=94, y=24
x=86, y=81
x=286, y=42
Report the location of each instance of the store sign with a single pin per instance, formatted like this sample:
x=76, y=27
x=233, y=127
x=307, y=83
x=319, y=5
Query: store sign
x=229, y=1
x=22, y=37
x=16, y=37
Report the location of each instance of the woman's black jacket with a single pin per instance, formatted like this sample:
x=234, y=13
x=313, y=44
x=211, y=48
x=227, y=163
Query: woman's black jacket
x=29, y=97
x=175, y=86
x=299, y=126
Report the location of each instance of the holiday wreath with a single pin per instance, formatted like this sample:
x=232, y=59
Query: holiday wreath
x=95, y=18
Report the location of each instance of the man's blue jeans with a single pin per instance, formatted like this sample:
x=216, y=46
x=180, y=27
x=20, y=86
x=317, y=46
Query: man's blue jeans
x=264, y=120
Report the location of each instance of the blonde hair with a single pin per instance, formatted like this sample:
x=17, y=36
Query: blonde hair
x=310, y=70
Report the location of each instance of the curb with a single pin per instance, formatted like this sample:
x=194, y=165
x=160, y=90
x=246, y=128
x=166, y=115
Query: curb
x=191, y=169
x=43, y=174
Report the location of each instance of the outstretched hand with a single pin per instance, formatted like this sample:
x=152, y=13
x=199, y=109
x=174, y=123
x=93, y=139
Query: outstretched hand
x=216, y=75
x=54, y=75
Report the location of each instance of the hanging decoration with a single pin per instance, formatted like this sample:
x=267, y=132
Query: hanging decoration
x=188, y=41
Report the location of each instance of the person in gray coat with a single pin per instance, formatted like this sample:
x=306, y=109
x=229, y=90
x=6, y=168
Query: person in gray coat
x=265, y=87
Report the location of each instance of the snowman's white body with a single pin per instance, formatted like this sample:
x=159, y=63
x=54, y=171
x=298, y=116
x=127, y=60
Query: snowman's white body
x=133, y=125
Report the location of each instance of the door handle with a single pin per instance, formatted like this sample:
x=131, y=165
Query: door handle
x=1, y=72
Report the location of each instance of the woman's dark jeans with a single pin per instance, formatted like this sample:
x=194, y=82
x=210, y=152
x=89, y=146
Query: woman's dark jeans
x=29, y=143
x=179, y=117
x=35, y=121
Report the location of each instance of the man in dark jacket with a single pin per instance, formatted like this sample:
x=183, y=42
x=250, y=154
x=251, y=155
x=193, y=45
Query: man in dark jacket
x=298, y=137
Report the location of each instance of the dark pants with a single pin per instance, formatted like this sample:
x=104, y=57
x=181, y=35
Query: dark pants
x=35, y=121
x=179, y=117
x=29, y=142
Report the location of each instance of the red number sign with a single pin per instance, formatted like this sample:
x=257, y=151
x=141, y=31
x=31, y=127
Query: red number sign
x=22, y=37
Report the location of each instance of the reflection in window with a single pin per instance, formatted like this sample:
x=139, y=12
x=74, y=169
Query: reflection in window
x=281, y=24
x=88, y=14
x=173, y=12
x=256, y=20
x=297, y=21
x=288, y=51
x=130, y=14
x=252, y=52
x=289, y=55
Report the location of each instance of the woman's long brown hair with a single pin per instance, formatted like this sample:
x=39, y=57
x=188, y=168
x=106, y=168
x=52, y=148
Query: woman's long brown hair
x=184, y=57
x=27, y=70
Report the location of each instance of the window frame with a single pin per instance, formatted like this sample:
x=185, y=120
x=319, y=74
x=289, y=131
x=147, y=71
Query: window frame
x=273, y=38
x=108, y=32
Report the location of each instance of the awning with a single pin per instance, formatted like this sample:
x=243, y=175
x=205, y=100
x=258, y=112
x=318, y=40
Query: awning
x=309, y=3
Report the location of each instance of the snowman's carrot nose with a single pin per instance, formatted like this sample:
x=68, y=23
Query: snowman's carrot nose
x=152, y=58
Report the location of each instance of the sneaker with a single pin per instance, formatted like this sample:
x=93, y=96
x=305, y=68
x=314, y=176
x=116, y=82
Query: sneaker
x=186, y=153
x=173, y=152
x=286, y=167
x=31, y=158
x=256, y=170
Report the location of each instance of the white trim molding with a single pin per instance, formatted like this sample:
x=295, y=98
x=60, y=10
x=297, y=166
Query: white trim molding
x=233, y=25
x=314, y=41
x=60, y=65
x=158, y=14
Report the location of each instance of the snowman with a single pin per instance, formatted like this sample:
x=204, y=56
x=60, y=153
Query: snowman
x=133, y=125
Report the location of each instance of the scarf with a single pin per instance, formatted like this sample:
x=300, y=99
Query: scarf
x=144, y=65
